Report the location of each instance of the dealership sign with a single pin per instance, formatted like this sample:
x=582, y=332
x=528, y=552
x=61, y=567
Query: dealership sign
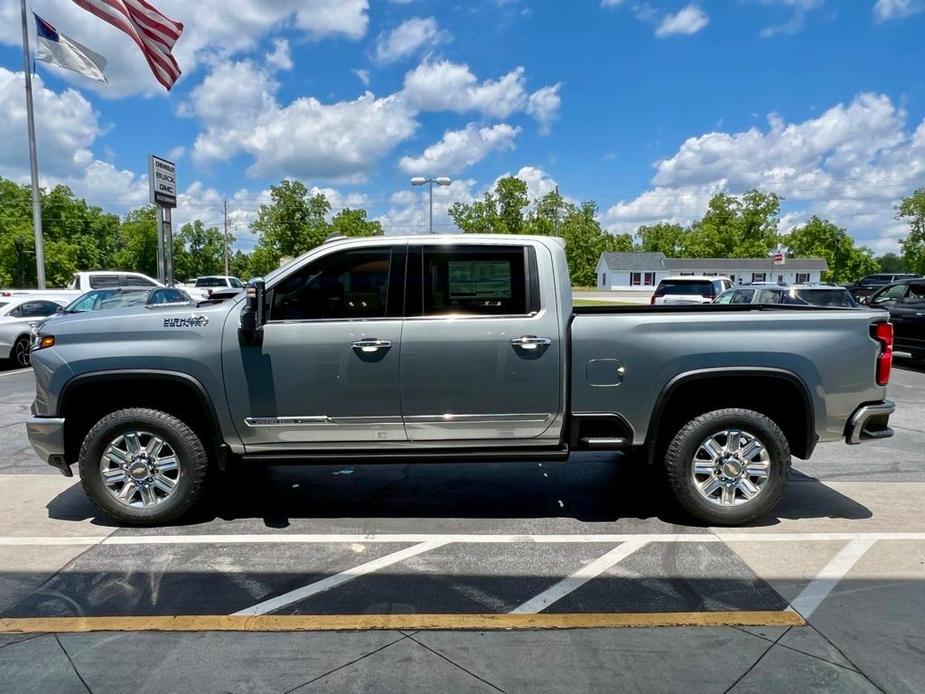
x=162, y=181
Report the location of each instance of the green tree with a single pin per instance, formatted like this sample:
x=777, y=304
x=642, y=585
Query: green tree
x=293, y=223
x=819, y=238
x=202, y=251
x=239, y=265
x=548, y=214
x=354, y=223
x=499, y=212
x=585, y=240
x=911, y=210
x=890, y=262
x=661, y=238
x=735, y=228
x=138, y=242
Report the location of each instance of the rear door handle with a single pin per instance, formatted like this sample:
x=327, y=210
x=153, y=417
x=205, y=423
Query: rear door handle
x=531, y=342
x=371, y=345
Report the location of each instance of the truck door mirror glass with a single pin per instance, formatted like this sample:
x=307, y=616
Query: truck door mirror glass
x=254, y=314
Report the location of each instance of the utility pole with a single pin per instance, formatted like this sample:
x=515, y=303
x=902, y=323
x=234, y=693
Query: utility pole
x=225, y=238
x=33, y=157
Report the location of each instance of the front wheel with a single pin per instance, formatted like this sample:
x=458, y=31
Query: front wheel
x=143, y=467
x=729, y=466
x=21, y=355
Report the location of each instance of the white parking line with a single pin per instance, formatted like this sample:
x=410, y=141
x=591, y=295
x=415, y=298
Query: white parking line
x=269, y=538
x=336, y=580
x=579, y=578
x=813, y=594
x=15, y=371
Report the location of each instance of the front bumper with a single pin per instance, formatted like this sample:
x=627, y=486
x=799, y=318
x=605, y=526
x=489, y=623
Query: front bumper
x=870, y=423
x=46, y=434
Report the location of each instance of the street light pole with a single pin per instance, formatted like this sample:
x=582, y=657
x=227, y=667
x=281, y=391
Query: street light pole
x=440, y=181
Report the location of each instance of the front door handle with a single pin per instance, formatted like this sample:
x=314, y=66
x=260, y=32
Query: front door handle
x=531, y=342
x=371, y=345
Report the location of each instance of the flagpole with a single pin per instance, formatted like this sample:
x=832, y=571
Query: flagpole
x=33, y=158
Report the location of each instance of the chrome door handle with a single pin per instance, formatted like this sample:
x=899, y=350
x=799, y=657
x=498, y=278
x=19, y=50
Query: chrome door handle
x=371, y=345
x=531, y=342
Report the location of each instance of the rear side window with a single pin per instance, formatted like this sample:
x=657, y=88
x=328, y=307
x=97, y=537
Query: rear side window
x=743, y=296
x=136, y=281
x=685, y=288
x=915, y=295
x=475, y=280
x=768, y=296
x=104, y=281
x=346, y=285
x=824, y=297
x=893, y=293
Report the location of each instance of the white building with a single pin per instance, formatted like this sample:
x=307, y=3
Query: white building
x=642, y=271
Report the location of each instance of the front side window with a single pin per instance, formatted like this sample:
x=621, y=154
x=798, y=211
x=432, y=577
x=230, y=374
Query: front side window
x=768, y=296
x=916, y=294
x=725, y=297
x=346, y=285
x=167, y=296
x=889, y=294
x=743, y=296
x=475, y=280
x=38, y=309
x=235, y=282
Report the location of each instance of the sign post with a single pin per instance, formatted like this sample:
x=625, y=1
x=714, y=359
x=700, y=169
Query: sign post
x=162, y=186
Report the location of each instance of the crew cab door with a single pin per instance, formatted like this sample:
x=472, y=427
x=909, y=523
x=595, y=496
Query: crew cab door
x=327, y=368
x=481, y=350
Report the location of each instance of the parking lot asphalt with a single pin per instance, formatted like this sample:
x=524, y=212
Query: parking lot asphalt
x=425, y=577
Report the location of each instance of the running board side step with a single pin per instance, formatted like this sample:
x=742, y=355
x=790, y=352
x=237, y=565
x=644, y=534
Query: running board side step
x=433, y=455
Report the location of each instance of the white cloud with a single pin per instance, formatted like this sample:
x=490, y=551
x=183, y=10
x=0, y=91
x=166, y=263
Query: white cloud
x=611, y=3
x=851, y=164
x=885, y=10
x=688, y=20
x=459, y=149
x=543, y=105
x=362, y=75
x=213, y=27
x=66, y=127
x=408, y=38
x=306, y=138
x=799, y=9
x=280, y=58
x=447, y=86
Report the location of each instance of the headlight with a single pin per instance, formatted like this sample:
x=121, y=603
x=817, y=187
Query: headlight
x=43, y=341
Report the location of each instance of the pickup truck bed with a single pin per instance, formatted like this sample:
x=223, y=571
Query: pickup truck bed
x=451, y=348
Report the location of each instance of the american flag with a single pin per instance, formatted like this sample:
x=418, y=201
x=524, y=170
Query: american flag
x=154, y=33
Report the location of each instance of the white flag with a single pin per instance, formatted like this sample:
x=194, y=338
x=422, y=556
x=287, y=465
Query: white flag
x=56, y=48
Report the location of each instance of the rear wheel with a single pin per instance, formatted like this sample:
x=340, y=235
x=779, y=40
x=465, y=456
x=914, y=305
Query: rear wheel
x=143, y=467
x=729, y=466
x=21, y=352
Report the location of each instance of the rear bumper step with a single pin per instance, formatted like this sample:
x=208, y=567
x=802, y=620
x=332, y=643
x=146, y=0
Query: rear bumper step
x=870, y=423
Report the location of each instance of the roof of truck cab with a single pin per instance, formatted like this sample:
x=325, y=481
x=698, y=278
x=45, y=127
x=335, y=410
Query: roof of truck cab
x=459, y=238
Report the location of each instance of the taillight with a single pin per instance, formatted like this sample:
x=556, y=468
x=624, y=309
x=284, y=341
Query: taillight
x=883, y=333
x=652, y=300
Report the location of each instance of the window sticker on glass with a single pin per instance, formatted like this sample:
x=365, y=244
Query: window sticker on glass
x=479, y=279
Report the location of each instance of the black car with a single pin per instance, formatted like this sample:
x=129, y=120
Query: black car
x=906, y=303
x=870, y=284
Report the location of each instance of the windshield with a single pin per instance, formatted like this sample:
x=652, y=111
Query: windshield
x=101, y=299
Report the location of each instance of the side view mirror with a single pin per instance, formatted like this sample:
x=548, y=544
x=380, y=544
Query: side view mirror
x=253, y=316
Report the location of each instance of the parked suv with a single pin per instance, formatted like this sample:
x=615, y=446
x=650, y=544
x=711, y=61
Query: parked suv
x=687, y=289
x=870, y=284
x=906, y=303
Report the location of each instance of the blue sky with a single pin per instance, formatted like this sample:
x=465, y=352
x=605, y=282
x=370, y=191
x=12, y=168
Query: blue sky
x=646, y=107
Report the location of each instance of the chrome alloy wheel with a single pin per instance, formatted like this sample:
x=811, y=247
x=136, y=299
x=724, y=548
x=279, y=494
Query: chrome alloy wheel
x=731, y=467
x=140, y=469
x=22, y=353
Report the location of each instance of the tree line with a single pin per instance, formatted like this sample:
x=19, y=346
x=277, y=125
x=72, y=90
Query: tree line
x=81, y=236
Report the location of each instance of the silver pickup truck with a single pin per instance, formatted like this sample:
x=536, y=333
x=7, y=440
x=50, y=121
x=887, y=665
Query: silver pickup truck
x=450, y=348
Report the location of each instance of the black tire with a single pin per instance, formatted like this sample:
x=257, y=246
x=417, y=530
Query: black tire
x=20, y=355
x=193, y=464
x=679, y=460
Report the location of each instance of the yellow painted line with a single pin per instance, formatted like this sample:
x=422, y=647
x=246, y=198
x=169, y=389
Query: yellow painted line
x=591, y=620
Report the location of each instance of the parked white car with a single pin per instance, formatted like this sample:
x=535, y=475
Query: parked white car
x=690, y=289
x=83, y=282
x=17, y=317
